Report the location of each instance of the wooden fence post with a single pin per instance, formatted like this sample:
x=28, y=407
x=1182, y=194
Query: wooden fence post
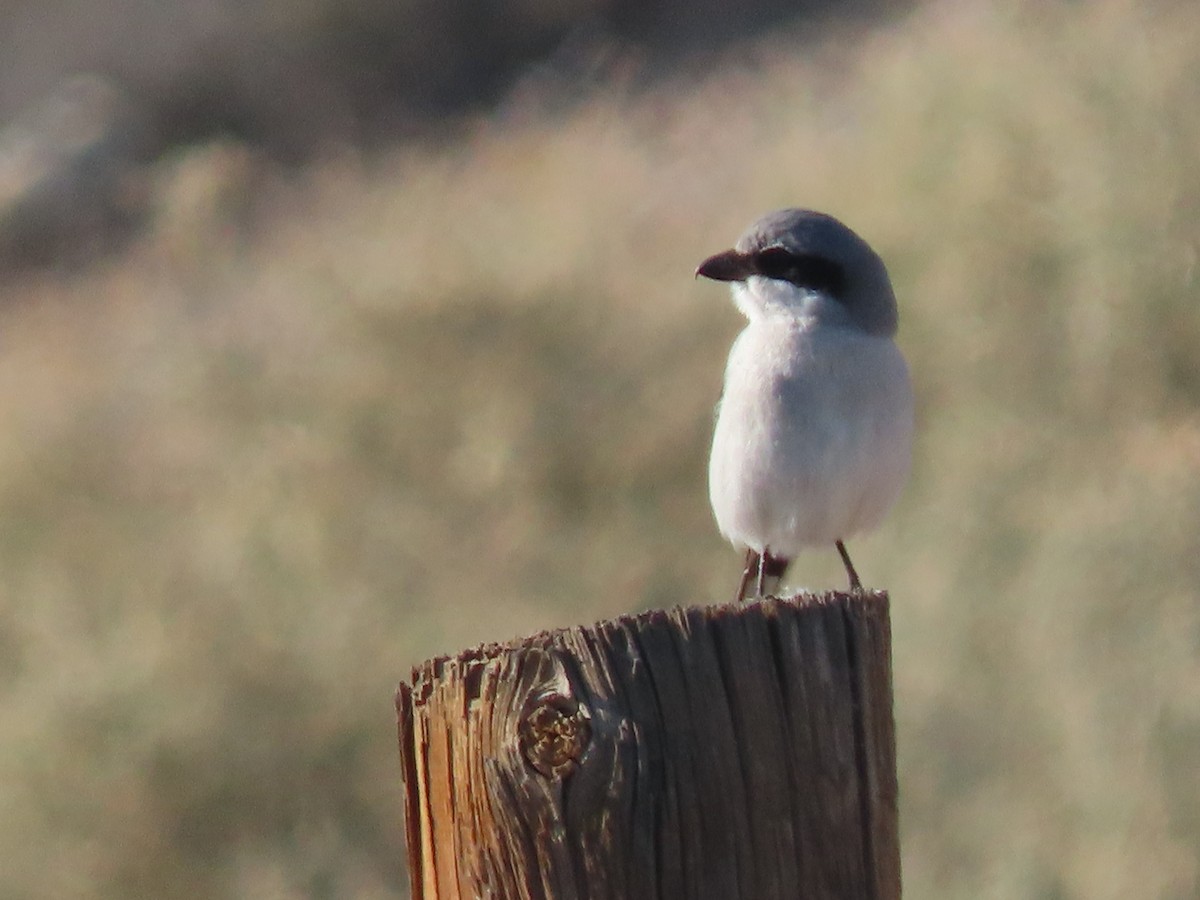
x=732, y=752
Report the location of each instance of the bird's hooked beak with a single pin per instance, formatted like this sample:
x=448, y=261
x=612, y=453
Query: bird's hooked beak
x=728, y=266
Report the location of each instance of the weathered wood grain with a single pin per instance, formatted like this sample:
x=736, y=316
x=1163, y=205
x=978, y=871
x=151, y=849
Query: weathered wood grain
x=730, y=752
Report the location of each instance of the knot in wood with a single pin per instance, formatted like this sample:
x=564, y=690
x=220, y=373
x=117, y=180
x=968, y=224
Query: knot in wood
x=554, y=732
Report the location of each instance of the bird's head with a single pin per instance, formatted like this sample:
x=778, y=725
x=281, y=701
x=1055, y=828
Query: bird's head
x=807, y=264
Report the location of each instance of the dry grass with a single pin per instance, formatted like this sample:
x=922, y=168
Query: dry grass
x=305, y=434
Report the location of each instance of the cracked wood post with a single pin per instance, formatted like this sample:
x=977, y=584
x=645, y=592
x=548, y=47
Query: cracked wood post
x=730, y=752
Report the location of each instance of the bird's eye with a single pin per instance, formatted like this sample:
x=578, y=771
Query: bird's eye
x=775, y=262
x=804, y=270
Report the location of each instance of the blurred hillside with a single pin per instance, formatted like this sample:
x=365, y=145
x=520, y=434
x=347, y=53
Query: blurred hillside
x=296, y=75
x=308, y=426
x=93, y=92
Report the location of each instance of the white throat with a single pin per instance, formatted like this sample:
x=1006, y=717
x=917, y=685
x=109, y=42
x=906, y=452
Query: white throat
x=762, y=299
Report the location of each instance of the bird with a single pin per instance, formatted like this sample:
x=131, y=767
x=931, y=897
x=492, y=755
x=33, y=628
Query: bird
x=813, y=437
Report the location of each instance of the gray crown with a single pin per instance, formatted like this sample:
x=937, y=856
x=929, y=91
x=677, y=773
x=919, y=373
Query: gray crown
x=864, y=289
x=814, y=251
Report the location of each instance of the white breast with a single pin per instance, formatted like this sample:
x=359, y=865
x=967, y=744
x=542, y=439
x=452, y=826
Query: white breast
x=813, y=437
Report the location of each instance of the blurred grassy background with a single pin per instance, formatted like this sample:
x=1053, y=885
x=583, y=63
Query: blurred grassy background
x=313, y=425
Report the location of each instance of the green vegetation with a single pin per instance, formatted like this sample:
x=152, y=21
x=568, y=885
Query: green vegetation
x=306, y=433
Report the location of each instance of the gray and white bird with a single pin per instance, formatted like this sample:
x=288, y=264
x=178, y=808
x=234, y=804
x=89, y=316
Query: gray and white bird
x=813, y=439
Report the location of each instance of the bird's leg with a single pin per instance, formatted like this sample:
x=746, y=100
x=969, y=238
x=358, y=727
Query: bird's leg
x=773, y=567
x=855, y=584
x=753, y=564
x=762, y=573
